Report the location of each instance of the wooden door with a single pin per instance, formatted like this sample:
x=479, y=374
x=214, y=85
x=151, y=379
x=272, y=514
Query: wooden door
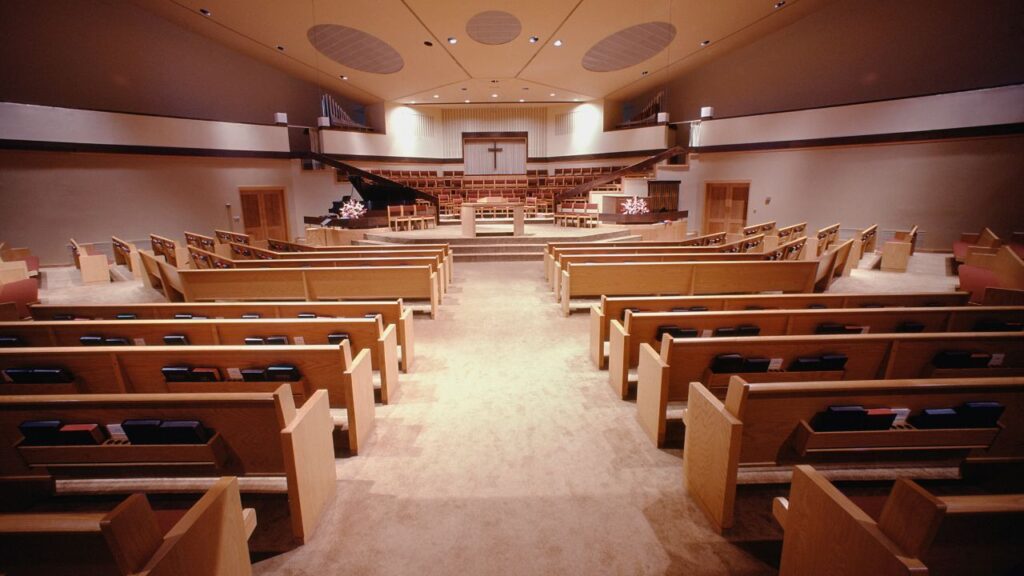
x=725, y=207
x=263, y=213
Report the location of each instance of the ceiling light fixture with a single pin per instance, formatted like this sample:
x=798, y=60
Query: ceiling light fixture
x=780, y=4
x=494, y=95
x=534, y=39
x=428, y=43
x=575, y=99
x=280, y=48
x=437, y=95
x=463, y=88
x=552, y=94
x=644, y=73
x=453, y=40
x=343, y=77
x=412, y=101
x=205, y=12
x=705, y=42
x=466, y=101
x=521, y=100
x=558, y=43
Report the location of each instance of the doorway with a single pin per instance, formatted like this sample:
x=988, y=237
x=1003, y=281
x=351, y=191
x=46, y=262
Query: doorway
x=725, y=207
x=263, y=213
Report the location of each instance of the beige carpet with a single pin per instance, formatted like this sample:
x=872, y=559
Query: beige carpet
x=506, y=452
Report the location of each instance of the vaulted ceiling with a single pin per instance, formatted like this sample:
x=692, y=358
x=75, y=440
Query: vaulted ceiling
x=503, y=50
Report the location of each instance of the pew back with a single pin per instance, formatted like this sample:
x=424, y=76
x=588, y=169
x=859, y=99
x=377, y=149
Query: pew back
x=827, y=236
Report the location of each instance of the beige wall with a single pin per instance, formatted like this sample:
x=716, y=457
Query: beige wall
x=48, y=197
x=945, y=187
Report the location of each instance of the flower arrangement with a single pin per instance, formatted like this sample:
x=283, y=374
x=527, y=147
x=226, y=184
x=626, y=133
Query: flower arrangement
x=635, y=206
x=352, y=209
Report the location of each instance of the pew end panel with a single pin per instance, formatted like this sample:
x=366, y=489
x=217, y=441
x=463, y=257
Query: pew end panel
x=360, y=404
x=387, y=352
x=711, y=457
x=406, y=337
x=309, y=464
x=652, y=393
x=598, y=334
x=618, y=365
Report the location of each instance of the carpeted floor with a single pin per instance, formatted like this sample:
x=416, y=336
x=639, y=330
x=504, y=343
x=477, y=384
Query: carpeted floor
x=506, y=452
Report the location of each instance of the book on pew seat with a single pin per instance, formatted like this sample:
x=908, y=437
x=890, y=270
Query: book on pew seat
x=725, y=331
x=254, y=341
x=756, y=364
x=980, y=414
x=909, y=326
x=81, y=435
x=677, y=332
x=277, y=340
x=176, y=340
x=10, y=342
x=63, y=317
x=142, y=431
x=961, y=359
x=177, y=373
x=283, y=373
x=839, y=418
x=91, y=340
x=183, y=316
x=39, y=375
x=833, y=361
x=727, y=363
x=936, y=418
x=748, y=330
x=116, y=341
x=40, y=432
x=251, y=316
x=254, y=374
x=830, y=328
x=182, y=432
x=337, y=337
x=805, y=364
x=994, y=325
x=126, y=316
x=204, y=375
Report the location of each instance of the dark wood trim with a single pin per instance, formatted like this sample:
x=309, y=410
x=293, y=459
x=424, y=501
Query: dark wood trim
x=394, y=159
x=41, y=146
x=415, y=160
x=602, y=156
x=108, y=111
x=994, y=130
x=874, y=101
x=492, y=135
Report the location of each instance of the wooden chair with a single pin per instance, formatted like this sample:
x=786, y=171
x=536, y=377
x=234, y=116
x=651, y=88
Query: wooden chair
x=917, y=532
x=128, y=540
x=399, y=217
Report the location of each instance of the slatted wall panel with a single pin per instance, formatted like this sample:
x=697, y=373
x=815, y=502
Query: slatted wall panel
x=498, y=119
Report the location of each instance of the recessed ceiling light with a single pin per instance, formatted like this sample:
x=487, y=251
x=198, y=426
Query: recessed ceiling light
x=412, y=101
x=343, y=77
x=466, y=101
x=534, y=39
x=463, y=88
x=780, y=4
x=644, y=73
x=552, y=94
x=526, y=87
x=494, y=95
x=453, y=40
x=280, y=48
x=558, y=42
x=575, y=99
x=521, y=100
x=205, y=12
x=705, y=42
x=428, y=43
x=437, y=95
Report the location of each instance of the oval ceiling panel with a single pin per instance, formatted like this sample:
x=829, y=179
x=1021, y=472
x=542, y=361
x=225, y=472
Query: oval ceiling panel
x=355, y=48
x=629, y=46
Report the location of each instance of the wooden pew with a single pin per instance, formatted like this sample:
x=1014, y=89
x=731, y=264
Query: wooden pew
x=917, y=533
x=762, y=425
x=826, y=237
x=127, y=255
x=444, y=248
x=364, y=334
x=636, y=329
x=161, y=276
x=896, y=253
x=136, y=370
x=831, y=265
x=227, y=237
x=1004, y=270
x=685, y=278
x=792, y=231
x=20, y=258
x=615, y=307
x=554, y=247
x=208, y=243
x=91, y=263
x=173, y=254
x=866, y=241
x=283, y=455
x=665, y=375
x=984, y=242
x=129, y=540
x=311, y=284
x=391, y=312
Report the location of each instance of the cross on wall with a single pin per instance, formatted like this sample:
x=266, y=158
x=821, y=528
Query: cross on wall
x=494, y=151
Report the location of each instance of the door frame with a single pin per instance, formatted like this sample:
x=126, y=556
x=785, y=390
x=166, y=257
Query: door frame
x=704, y=200
x=284, y=205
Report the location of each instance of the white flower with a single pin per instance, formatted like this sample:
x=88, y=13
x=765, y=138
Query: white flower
x=352, y=209
x=635, y=205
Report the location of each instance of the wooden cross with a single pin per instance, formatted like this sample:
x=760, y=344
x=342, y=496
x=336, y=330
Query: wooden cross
x=495, y=151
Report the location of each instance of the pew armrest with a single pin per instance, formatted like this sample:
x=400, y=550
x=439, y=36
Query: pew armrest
x=406, y=337
x=598, y=336
x=309, y=463
x=652, y=394
x=565, y=291
x=435, y=297
x=780, y=509
x=618, y=358
x=711, y=458
x=359, y=400
x=388, y=349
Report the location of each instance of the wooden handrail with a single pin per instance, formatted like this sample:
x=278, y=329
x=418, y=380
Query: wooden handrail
x=605, y=179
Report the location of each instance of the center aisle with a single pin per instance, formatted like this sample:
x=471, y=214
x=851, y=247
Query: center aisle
x=506, y=452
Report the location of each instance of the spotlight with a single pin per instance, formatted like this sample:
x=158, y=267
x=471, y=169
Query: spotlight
x=453, y=40
x=428, y=43
x=343, y=77
x=534, y=39
x=558, y=43
x=205, y=12
x=705, y=42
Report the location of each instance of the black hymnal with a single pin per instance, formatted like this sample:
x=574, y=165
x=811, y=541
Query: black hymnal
x=142, y=431
x=307, y=315
x=176, y=340
x=805, y=364
x=182, y=432
x=993, y=325
x=177, y=373
x=126, y=316
x=116, y=341
x=277, y=340
x=183, y=316
x=40, y=432
x=39, y=375
x=254, y=341
x=283, y=373
x=81, y=435
x=676, y=332
x=10, y=342
x=748, y=330
x=91, y=340
x=725, y=331
x=251, y=316
x=961, y=359
x=725, y=363
x=980, y=414
x=833, y=361
x=839, y=418
x=254, y=374
x=337, y=338
x=936, y=418
x=756, y=364
x=909, y=326
x=830, y=328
